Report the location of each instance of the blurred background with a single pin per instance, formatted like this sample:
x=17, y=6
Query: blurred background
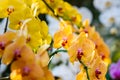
x=105, y=16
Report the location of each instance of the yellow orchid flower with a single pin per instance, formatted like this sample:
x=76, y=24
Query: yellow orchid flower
x=26, y=71
x=38, y=9
x=45, y=35
x=26, y=67
x=37, y=31
x=64, y=36
x=9, y=6
x=82, y=48
x=100, y=46
x=97, y=69
x=34, y=40
x=17, y=19
x=63, y=9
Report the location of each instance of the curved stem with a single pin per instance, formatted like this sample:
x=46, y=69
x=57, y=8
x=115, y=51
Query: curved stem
x=86, y=69
x=57, y=52
x=50, y=61
x=52, y=55
x=6, y=25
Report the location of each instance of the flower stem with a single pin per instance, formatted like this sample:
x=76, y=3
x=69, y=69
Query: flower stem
x=50, y=8
x=86, y=69
x=6, y=25
x=57, y=52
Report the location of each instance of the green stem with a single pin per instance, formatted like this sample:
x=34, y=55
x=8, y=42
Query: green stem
x=57, y=52
x=6, y=25
x=52, y=55
x=50, y=61
x=86, y=69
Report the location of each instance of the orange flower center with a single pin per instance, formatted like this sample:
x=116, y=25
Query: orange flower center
x=85, y=30
x=102, y=56
x=64, y=41
x=17, y=54
x=73, y=18
x=26, y=71
x=20, y=23
x=60, y=9
x=51, y=0
x=10, y=10
x=79, y=53
x=28, y=39
x=2, y=45
x=97, y=73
